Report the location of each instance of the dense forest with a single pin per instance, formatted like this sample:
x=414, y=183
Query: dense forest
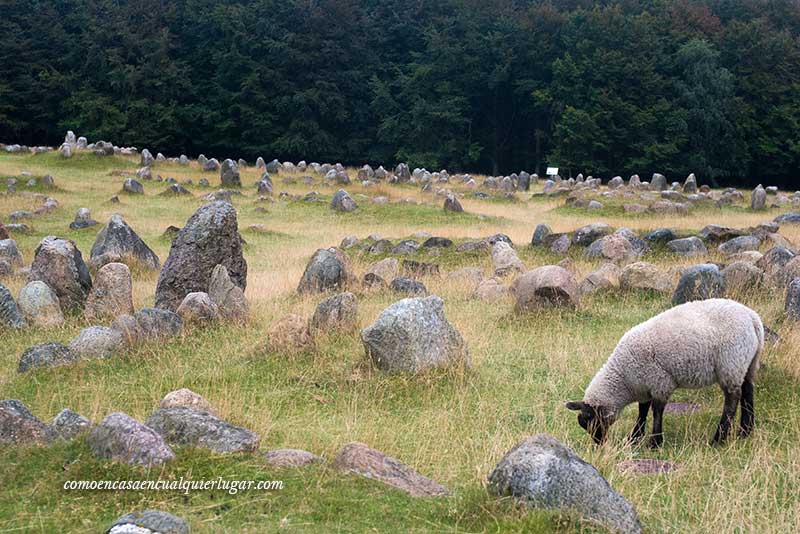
x=494, y=86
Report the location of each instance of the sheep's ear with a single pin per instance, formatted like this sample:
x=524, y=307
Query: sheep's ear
x=575, y=406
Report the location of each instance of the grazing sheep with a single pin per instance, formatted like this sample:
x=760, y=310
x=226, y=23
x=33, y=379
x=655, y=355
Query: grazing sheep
x=714, y=341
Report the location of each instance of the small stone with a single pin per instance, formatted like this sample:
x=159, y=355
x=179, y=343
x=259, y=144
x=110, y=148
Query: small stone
x=228, y=297
x=336, y=313
x=198, y=308
x=492, y=290
x=792, y=302
x=550, y=286
x=111, y=294
x=96, y=342
x=149, y=522
x=644, y=276
x=18, y=426
x=287, y=458
x=688, y=246
x=328, y=269
x=154, y=323
x=505, y=260
x=186, y=398
x=699, y=282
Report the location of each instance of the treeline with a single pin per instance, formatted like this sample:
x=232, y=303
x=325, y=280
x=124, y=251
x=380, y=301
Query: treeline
x=711, y=86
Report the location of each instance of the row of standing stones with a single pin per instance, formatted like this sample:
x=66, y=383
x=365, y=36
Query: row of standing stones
x=411, y=335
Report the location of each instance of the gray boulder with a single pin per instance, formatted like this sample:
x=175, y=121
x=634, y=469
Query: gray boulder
x=658, y=182
x=586, y=235
x=328, y=269
x=699, y=282
x=149, y=522
x=452, y=204
x=229, y=174
x=228, y=297
x=10, y=253
x=758, y=198
x=10, y=314
x=407, y=286
x=540, y=234
x=336, y=313
x=68, y=424
x=119, y=240
x=46, y=355
x=198, y=308
x=792, y=301
x=156, y=323
x=121, y=438
x=18, y=426
x=209, y=238
x=96, y=342
x=132, y=186
x=688, y=246
x=342, y=201
x=111, y=294
x=58, y=263
x=413, y=335
x=740, y=244
x=146, y=159
x=542, y=472
x=39, y=304
x=186, y=426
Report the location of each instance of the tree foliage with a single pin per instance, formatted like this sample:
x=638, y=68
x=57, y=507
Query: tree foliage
x=611, y=87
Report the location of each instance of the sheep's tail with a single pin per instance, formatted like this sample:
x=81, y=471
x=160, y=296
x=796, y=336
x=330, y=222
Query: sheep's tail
x=758, y=326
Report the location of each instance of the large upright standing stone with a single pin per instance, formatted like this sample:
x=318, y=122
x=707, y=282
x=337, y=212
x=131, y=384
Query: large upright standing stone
x=58, y=263
x=209, y=238
x=146, y=158
x=118, y=239
x=229, y=174
x=111, y=294
x=658, y=182
x=758, y=199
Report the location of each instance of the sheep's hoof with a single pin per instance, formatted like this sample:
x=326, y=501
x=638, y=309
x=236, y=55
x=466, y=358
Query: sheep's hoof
x=717, y=440
x=656, y=441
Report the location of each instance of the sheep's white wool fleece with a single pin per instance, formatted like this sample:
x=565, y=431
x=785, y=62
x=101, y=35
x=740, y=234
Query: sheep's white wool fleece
x=693, y=345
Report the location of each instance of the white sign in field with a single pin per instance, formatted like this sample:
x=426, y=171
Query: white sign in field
x=552, y=171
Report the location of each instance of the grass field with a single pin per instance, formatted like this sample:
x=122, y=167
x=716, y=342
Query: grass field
x=450, y=426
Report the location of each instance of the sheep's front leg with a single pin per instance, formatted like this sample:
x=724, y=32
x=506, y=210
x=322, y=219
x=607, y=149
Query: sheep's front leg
x=728, y=414
x=748, y=410
x=641, y=423
x=657, y=439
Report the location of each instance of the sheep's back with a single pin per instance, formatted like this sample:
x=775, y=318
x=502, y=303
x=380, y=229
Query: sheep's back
x=691, y=346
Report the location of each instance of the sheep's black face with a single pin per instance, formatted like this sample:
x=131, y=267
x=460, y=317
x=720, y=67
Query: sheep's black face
x=592, y=419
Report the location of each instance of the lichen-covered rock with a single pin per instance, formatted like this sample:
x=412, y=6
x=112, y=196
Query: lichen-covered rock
x=741, y=277
x=10, y=314
x=452, y=204
x=605, y=277
x=386, y=269
x=550, y=286
x=58, y=263
x=740, y=244
x=541, y=472
x=363, y=460
x=229, y=174
x=336, y=313
x=644, y=276
x=156, y=323
x=586, y=235
x=39, y=304
x=342, y=201
x=18, y=426
x=792, y=301
x=129, y=328
x=328, y=269
x=68, y=424
x=119, y=239
x=121, y=438
x=699, y=282
x=539, y=234
x=10, y=253
x=198, y=308
x=228, y=297
x=48, y=354
x=505, y=260
x=111, y=294
x=614, y=247
x=97, y=342
x=413, y=335
x=209, y=238
x=688, y=246
x=149, y=522
x=186, y=426
x=491, y=290
x=408, y=286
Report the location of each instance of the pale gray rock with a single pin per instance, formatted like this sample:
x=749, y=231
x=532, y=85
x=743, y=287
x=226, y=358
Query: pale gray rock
x=121, y=438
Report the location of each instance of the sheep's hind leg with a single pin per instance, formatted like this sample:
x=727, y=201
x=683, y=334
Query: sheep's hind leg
x=728, y=415
x=657, y=438
x=641, y=423
x=748, y=410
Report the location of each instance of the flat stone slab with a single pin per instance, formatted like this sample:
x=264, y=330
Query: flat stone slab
x=646, y=466
x=291, y=458
x=363, y=460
